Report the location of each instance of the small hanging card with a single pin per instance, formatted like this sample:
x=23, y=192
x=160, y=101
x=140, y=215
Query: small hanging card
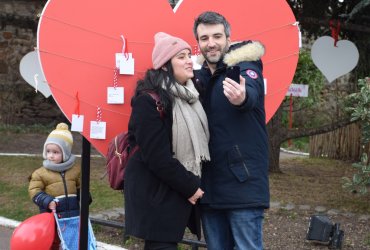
x=194, y=58
x=97, y=130
x=265, y=85
x=196, y=65
x=77, y=123
x=115, y=95
x=126, y=65
x=124, y=61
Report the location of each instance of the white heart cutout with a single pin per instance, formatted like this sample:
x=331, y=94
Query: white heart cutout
x=333, y=61
x=30, y=68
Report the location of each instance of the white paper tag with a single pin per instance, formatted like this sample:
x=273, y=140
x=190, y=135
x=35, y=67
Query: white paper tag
x=115, y=95
x=97, y=130
x=196, y=65
x=126, y=65
x=265, y=85
x=77, y=123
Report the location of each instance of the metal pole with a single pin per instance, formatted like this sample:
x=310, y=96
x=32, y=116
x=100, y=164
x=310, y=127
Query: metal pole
x=84, y=197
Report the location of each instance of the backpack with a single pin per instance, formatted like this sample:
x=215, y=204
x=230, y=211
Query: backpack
x=119, y=152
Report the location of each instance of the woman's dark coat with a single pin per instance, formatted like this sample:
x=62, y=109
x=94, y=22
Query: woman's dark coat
x=157, y=186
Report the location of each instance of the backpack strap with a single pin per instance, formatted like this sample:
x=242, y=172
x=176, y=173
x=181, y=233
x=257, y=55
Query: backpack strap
x=157, y=100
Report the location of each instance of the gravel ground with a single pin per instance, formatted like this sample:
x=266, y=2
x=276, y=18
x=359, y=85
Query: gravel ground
x=287, y=230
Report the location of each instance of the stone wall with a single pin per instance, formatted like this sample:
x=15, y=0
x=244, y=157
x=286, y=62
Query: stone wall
x=19, y=103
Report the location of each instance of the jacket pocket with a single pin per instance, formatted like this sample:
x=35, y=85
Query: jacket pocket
x=237, y=164
x=159, y=194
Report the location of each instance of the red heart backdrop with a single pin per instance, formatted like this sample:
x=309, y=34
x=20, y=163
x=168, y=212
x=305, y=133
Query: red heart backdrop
x=77, y=42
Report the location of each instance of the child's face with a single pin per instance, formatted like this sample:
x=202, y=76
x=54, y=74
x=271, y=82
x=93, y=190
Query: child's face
x=54, y=153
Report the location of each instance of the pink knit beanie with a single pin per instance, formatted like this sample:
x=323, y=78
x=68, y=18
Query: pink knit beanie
x=166, y=47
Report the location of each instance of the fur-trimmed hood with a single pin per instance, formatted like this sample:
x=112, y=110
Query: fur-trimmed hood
x=241, y=51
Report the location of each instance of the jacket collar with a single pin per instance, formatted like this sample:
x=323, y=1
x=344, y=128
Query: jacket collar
x=239, y=52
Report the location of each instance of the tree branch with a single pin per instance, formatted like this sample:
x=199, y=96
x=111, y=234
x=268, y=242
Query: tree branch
x=297, y=133
x=325, y=23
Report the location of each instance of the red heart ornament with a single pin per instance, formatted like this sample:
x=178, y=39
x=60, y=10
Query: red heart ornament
x=77, y=42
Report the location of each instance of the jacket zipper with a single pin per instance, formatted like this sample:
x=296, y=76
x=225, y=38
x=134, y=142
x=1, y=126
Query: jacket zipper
x=65, y=190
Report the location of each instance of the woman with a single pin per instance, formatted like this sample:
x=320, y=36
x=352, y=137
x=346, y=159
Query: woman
x=162, y=177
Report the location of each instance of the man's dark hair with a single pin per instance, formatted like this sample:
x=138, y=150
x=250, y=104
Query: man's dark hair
x=210, y=17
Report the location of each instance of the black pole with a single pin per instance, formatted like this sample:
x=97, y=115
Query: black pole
x=84, y=197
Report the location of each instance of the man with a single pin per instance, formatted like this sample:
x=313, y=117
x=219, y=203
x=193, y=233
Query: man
x=235, y=182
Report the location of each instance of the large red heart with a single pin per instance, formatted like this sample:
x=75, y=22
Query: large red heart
x=77, y=42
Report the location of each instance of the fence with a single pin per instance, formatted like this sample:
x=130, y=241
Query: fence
x=195, y=244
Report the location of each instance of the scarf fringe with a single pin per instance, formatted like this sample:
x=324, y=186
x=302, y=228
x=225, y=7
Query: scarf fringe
x=195, y=166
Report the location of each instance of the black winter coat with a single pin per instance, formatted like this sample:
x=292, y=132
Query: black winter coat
x=157, y=186
x=237, y=176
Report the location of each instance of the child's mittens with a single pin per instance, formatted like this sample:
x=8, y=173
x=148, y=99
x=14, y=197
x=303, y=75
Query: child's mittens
x=53, y=206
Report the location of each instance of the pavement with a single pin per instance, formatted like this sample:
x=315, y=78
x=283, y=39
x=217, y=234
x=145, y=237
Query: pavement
x=7, y=227
x=5, y=235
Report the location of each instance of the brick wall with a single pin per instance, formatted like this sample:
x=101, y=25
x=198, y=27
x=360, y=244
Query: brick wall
x=19, y=104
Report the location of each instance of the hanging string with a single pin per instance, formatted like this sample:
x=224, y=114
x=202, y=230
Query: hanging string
x=82, y=61
x=196, y=50
x=268, y=30
x=115, y=78
x=299, y=34
x=88, y=30
x=98, y=114
x=290, y=116
x=77, y=108
x=280, y=58
x=125, y=47
x=83, y=101
x=335, y=28
x=36, y=82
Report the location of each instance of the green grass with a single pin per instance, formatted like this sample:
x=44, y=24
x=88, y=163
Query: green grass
x=298, y=144
x=367, y=240
x=15, y=202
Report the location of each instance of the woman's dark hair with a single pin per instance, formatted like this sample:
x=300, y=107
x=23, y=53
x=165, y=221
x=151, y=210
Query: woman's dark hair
x=160, y=81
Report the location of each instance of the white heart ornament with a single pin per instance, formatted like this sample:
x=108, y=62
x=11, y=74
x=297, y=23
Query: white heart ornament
x=31, y=72
x=333, y=61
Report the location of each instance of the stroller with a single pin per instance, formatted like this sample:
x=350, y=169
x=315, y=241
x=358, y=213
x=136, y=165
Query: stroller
x=68, y=231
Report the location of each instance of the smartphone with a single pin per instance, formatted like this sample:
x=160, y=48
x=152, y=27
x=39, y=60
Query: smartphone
x=233, y=72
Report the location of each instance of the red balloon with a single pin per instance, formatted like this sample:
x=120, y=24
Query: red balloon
x=35, y=233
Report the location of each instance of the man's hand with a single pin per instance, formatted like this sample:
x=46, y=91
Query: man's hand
x=233, y=91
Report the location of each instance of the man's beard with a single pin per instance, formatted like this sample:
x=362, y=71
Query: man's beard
x=215, y=60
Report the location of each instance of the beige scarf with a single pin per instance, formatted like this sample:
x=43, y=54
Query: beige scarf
x=190, y=134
